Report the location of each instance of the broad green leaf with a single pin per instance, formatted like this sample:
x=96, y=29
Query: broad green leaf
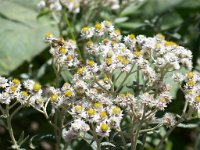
x=21, y=34
x=190, y=4
x=131, y=25
x=171, y=20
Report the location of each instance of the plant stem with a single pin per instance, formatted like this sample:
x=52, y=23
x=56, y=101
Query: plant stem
x=125, y=78
x=136, y=135
x=10, y=130
x=159, y=146
x=143, y=141
x=96, y=137
x=123, y=140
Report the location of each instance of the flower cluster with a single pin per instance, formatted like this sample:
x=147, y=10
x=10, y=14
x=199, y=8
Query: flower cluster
x=29, y=93
x=52, y=4
x=74, y=6
x=122, y=76
x=77, y=127
x=63, y=52
x=192, y=89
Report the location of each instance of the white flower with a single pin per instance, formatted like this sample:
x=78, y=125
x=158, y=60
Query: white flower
x=114, y=122
x=148, y=100
x=103, y=129
x=178, y=77
x=3, y=82
x=87, y=32
x=5, y=98
x=55, y=6
x=169, y=120
x=41, y=4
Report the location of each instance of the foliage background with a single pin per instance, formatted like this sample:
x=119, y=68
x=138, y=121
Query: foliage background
x=23, y=54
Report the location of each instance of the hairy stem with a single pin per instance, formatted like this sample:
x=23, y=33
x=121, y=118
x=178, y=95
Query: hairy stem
x=96, y=137
x=10, y=130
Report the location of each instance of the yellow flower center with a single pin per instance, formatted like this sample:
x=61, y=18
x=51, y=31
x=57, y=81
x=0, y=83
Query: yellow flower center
x=190, y=75
x=103, y=114
x=13, y=89
x=24, y=93
x=104, y=127
x=197, y=98
x=132, y=36
x=108, y=61
x=117, y=31
x=98, y=105
x=62, y=50
x=98, y=26
x=54, y=98
x=69, y=57
x=37, y=86
x=163, y=99
x=78, y=108
x=129, y=94
x=170, y=43
x=85, y=29
x=161, y=36
x=116, y=110
x=16, y=81
x=48, y=35
x=120, y=58
x=91, y=62
x=123, y=49
x=137, y=53
x=89, y=43
x=125, y=61
x=108, y=23
x=68, y=93
x=91, y=112
x=80, y=70
x=191, y=83
x=106, y=79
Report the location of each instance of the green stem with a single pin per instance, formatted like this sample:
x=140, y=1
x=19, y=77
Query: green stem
x=10, y=130
x=143, y=141
x=121, y=84
x=123, y=140
x=96, y=137
x=136, y=135
x=69, y=25
x=151, y=129
x=159, y=146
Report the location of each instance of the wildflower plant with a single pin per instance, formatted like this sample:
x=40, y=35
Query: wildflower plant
x=120, y=90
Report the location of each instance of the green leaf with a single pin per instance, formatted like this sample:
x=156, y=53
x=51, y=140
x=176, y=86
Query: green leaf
x=191, y=125
x=21, y=34
x=171, y=20
x=107, y=144
x=67, y=76
x=131, y=25
x=89, y=139
x=190, y=4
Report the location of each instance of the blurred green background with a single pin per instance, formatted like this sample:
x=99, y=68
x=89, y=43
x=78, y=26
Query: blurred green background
x=23, y=54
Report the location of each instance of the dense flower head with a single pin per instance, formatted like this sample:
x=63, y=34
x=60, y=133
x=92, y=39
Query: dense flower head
x=28, y=93
x=63, y=52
